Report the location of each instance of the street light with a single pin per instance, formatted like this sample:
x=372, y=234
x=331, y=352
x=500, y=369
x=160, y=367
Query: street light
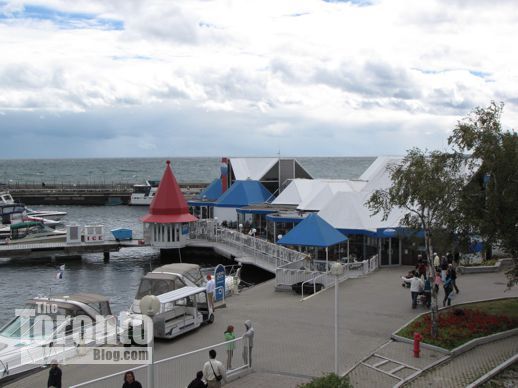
x=150, y=306
x=337, y=270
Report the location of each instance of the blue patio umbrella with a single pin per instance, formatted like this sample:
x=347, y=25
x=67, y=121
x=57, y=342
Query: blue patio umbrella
x=313, y=231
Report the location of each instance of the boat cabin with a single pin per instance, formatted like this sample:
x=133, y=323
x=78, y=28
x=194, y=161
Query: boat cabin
x=182, y=310
x=168, y=278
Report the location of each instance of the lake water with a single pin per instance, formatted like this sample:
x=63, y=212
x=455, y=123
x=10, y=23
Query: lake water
x=22, y=279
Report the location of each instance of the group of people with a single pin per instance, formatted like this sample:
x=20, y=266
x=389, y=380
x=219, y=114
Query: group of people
x=420, y=282
x=213, y=372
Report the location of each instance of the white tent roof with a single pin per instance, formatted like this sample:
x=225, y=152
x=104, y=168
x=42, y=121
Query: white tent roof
x=377, y=175
x=328, y=188
x=297, y=191
x=251, y=168
x=347, y=210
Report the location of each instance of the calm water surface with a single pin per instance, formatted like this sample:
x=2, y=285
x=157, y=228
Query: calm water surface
x=22, y=279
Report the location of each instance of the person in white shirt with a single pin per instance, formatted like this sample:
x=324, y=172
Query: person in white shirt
x=436, y=260
x=211, y=287
x=214, y=371
x=416, y=287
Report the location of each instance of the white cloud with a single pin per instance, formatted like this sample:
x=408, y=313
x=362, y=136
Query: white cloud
x=301, y=72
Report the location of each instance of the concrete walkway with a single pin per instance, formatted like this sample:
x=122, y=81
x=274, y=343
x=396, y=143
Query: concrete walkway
x=296, y=338
x=469, y=366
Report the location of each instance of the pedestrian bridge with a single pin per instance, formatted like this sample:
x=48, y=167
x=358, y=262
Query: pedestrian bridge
x=242, y=247
x=288, y=265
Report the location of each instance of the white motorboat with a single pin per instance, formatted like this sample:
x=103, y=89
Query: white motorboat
x=54, y=328
x=6, y=198
x=167, y=278
x=172, y=277
x=52, y=215
x=143, y=194
x=29, y=232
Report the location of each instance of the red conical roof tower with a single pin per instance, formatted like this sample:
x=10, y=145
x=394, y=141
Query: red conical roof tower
x=169, y=205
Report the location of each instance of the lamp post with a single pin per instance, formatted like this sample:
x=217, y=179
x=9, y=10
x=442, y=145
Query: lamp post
x=149, y=306
x=337, y=270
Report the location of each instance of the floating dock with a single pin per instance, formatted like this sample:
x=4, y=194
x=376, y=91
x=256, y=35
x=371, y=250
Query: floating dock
x=64, y=249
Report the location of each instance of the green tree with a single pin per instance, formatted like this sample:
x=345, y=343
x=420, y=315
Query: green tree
x=425, y=185
x=489, y=204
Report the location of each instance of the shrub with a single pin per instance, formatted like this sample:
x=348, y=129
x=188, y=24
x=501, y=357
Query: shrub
x=328, y=381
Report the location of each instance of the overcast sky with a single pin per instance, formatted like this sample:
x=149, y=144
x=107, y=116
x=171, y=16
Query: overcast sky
x=89, y=78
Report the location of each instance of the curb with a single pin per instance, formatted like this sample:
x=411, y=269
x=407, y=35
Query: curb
x=493, y=372
x=500, y=263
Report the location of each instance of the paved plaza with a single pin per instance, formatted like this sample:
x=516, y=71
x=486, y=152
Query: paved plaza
x=294, y=339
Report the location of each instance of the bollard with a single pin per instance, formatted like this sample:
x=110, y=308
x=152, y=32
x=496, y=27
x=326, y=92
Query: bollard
x=417, y=344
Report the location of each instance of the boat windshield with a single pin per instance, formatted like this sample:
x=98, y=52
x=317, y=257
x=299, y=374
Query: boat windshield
x=150, y=286
x=38, y=326
x=195, y=276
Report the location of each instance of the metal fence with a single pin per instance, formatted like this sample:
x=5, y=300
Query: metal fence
x=258, y=249
x=178, y=371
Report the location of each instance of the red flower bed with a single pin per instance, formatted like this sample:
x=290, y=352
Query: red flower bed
x=458, y=326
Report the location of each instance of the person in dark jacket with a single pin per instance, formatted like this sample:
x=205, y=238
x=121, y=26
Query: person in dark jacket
x=453, y=276
x=198, y=382
x=448, y=289
x=130, y=382
x=54, y=375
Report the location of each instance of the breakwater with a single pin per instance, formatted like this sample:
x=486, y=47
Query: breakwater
x=97, y=194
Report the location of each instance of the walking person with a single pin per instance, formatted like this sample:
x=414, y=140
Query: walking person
x=230, y=336
x=198, y=381
x=453, y=276
x=416, y=287
x=129, y=381
x=248, y=343
x=428, y=292
x=55, y=375
x=211, y=287
x=444, y=268
x=214, y=371
x=448, y=289
x=436, y=260
x=437, y=281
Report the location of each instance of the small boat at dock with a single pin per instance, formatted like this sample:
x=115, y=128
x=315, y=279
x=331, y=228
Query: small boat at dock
x=144, y=194
x=29, y=232
x=53, y=328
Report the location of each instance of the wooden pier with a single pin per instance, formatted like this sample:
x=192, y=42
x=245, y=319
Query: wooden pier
x=64, y=249
x=82, y=193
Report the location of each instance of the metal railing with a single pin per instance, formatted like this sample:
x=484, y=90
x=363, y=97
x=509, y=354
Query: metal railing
x=326, y=279
x=254, y=248
x=178, y=371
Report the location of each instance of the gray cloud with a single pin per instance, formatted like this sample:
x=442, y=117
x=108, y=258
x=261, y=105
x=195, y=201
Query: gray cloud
x=372, y=79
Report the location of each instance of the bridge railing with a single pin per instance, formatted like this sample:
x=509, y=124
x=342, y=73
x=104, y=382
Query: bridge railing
x=272, y=254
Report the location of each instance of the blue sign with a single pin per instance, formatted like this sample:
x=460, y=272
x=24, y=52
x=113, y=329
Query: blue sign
x=185, y=229
x=219, y=275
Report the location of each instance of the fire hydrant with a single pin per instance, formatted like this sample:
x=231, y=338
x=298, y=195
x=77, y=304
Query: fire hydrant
x=417, y=344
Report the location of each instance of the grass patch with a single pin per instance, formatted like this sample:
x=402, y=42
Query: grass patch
x=463, y=323
x=328, y=381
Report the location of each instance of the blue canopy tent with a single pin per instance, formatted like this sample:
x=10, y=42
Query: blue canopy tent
x=243, y=193
x=313, y=231
x=211, y=193
x=240, y=194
